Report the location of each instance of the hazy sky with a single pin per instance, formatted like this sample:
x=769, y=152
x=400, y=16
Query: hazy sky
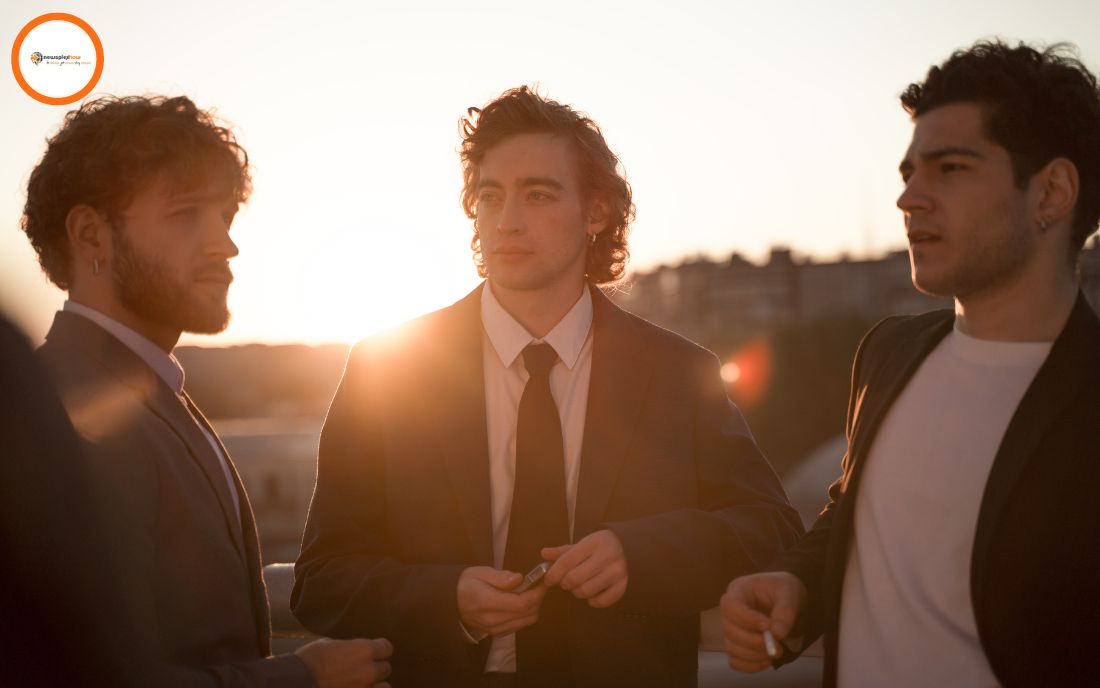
x=741, y=125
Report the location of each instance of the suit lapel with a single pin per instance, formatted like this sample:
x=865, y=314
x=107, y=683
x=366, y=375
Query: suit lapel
x=459, y=416
x=132, y=371
x=880, y=383
x=883, y=385
x=1073, y=360
x=621, y=371
x=171, y=409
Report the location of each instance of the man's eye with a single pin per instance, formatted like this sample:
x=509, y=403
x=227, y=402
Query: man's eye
x=487, y=197
x=951, y=167
x=538, y=196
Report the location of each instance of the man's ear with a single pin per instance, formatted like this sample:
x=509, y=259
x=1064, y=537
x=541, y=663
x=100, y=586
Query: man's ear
x=1058, y=186
x=89, y=234
x=599, y=214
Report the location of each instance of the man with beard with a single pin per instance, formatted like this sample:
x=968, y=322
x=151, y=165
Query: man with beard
x=129, y=210
x=960, y=546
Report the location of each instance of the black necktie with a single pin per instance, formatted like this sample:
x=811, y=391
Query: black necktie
x=539, y=519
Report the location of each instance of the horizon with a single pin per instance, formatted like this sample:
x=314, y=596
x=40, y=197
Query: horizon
x=740, y=128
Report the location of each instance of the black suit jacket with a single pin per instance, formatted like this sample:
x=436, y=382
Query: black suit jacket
x=402, y=503
x=58, y=592
x=1035, y=566
x=192, y=571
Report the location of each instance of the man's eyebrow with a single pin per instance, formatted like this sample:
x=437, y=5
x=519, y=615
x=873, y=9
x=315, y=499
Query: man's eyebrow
x=939, y=153
x=541, y=181
x=201, y=197
x=492, y=183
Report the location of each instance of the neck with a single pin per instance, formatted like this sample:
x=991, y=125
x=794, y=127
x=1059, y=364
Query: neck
x=163, y=336
x=1031, y=308
x=538, y=310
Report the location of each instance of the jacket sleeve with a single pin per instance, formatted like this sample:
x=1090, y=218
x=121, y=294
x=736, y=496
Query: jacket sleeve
x=680, y=562
x=348, y=579
x=806, y=560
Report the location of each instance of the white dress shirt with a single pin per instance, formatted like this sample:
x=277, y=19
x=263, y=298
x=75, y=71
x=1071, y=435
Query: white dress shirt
x=503, y=341
x=167, y=368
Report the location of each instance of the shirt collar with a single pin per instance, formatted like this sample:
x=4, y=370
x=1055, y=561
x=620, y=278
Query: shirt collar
x=163, y=364
x=509, y=338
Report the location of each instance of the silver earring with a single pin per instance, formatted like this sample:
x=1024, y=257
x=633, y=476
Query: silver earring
x=592, y=239
x=1042, y=224
x=95, y=266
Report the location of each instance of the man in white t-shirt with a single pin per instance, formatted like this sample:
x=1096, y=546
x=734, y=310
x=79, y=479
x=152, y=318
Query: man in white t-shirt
x=960, y=546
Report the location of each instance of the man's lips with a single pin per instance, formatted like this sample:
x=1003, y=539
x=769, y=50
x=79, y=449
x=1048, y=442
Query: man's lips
x=218, y=276
x=921, y=236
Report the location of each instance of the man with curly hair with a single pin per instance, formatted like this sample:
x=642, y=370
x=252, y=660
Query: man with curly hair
x=960, y=546
x=129, y=210
x=534, y=420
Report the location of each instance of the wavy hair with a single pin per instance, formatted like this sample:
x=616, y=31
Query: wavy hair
x=523, y=111
x=112, y=148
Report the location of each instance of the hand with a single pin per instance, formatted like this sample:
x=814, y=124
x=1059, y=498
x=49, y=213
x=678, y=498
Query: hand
x=486, y=604
x=347, y=663
x=753, y=604
x=594, y=569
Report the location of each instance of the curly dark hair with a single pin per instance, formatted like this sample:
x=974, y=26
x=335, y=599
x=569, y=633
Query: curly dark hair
x=523, y=111
x=1037, y=104
x=112, y=148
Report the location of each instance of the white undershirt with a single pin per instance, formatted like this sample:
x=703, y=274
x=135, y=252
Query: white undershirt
x=906, y=615
x=167, y=368
x=503, y=342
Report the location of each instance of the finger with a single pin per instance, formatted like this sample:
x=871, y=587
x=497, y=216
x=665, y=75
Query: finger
x=748, y=639
x=598, y=580
x=531, y=600
x=748, y=667
x=498, y=602
x=736, y=609
x=512, y=625
x=381, y=648
x=502, y=580
x=567, y=562
x=746, y=654
x=609, y=596
x=552, y=553
x=783, y=612
x=380, y=671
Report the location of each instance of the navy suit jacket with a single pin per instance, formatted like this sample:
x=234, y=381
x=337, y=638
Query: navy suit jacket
x=402, y=502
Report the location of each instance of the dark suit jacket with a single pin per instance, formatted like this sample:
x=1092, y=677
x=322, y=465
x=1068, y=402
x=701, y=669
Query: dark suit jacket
x=57, y=590
x=192, y=563
x=402, y=503
x=1035, y=567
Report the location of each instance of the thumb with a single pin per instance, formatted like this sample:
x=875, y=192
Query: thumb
x=502, y=580
x=552, y=553
x=784, y=611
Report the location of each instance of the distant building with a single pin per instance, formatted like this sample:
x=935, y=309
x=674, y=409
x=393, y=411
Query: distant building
x=277, y=462
x=714, y=302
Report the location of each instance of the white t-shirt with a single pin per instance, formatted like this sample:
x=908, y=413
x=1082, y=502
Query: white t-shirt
x=906, y=616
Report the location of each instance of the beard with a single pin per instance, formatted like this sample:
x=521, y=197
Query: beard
x=146, y=287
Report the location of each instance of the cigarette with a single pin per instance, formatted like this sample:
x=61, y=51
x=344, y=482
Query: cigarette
x=770, y=646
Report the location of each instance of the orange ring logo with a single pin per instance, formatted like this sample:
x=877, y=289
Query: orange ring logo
x=18, y=45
